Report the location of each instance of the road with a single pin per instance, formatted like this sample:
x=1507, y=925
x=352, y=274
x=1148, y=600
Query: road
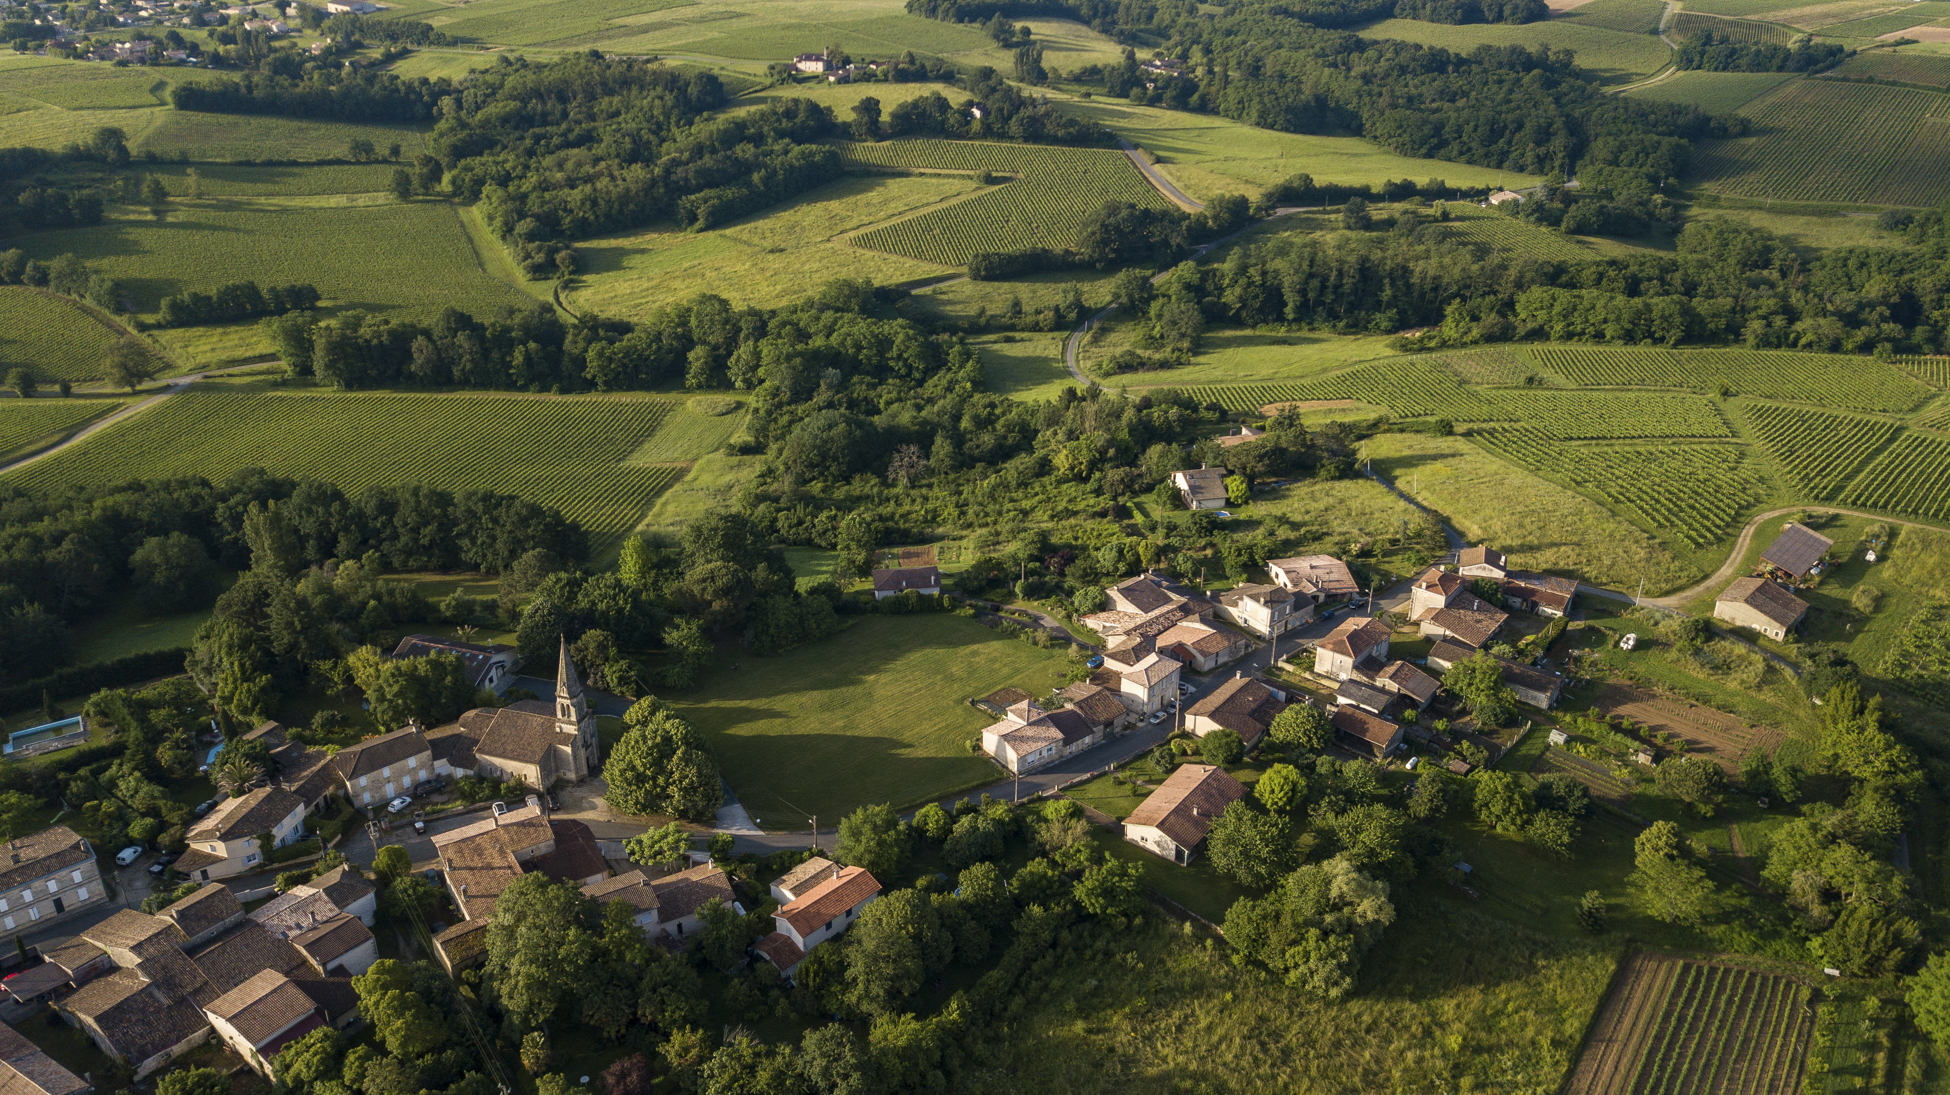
x=1157, y=177
x=99, y=424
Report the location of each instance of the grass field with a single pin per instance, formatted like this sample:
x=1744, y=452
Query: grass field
x=764, y=260
x=712, y=484
x=1803, y=229
x=1610, y=55
x=227, y=180
x=1028, y=368
x=565, y=451
x=1719, y=92
x=1910, y=15
x=239, y=137
x=874, y=714
x=28, y=424
x=690, y=432
x=413, y=258
x=1823, y=140
x=51, y=335
x=1232, y=356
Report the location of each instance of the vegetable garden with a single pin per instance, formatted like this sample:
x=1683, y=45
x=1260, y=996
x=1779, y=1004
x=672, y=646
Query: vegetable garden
x=1819, y=451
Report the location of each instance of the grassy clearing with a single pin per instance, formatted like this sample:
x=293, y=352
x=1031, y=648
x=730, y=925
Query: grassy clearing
x=51, y=335
x=243, y=137
x=413, y=258
x=1822, y=140
x=1609, y=55
x=712, y=483
x=1626, y=16
x=30, y=424
x=692, y=431
x=875, y=714
x=1343, y=513
x=125, y=631
x=562, y=451
x=1030, y=367
x=764, y=260
x=1808, y=230
x=1719, y=92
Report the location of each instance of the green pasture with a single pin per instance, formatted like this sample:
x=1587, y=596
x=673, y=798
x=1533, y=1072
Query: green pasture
x=712, y=484
x=876, y=713
x=1236, y=356
x=1625, y=16
x=1027, y=367
x=51, y=335
x=241, y=137
x=228, y=180
x=1611, y=56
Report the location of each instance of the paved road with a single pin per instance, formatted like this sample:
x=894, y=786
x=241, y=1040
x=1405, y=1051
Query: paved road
x=1157, y=177
x=100, y=424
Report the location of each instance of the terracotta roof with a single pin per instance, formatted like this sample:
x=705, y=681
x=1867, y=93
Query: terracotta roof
x=257, y=812
x=128, y=928
x=1264, y=593
x=195, y=859
x=270, y=732
x=1143, y=593
x=159, y=962
x=464, y=941
x=1197, y=636
x=25, y=1070
x=52, y=849
x=1099, y=705
x=1481, y=556
x=73, y=954
x=1004, y=698
x=1322, y=572
x=633, y=888
x=779, y=949
x=1766, y=598
x=135, y=1019
x=243, y=952
x=798, y=878
x=1355, y=636
x=1357, y=723
x=681, y=894
x=333, y=940
x=1204, y=483
x=263, y=1006
x=1186, y=804
x=901, y=579
x=829, y=900
x=575, y=857
x=1469, y=619
x=373, y=754
x=1448, y=653
x=1539, y=594
x=1797, y=549
x=476, y=658
x=1441, y=581
x=481, y=861
x=1409, y=681
x=203, y=910
x=1242, y=705
x=522, y=733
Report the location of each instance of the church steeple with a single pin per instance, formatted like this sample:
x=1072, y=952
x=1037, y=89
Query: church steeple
x=570, y=708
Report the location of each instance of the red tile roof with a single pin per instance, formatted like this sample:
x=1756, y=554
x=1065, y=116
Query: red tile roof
x=830, y=899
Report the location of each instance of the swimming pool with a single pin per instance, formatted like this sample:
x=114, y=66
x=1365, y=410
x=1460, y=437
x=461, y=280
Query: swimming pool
x=21, y=739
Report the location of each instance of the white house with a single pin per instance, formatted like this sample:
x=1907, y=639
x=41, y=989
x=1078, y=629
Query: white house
x=1355, y=642
x=1174, y=821
x=226, y=842
x=1203, y=487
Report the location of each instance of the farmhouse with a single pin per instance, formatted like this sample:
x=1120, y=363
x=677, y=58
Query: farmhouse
x=1434, y=590
x=1265, y=610
x=379, y=769
x=262, y=1016
x=1502, y=196
x=812, y=62
x=1482, y=562
x=1148, y=604
x=1356, y=641
x=1468, y=620
x=1531, y=684
x=529, y=741
x=492, y=667
x=1414, y=686
x=828, y=904
x=1099, y=705
x=481, y=860
x=1203, y=487
x=1144, y=685
x=1319, y=578
x=894, y=582
x=1029, y=737
x=1796, y=551
x=49, y=876
x=1174, y=821
x=1761, y=605
x=226, y=842
x=1366, y=733
x=1539, y=594
x=1243, y=705
x=797, y=882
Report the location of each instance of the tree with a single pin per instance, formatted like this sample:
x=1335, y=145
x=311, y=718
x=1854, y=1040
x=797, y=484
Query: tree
x=1315, y=928
x=129, y=363
x=406, y=1023
x=21, y=381
x=1355, y=216
x=1478, y=682
x=1869, y=941
x=540, y=946
x=310, y=1059
x=1553, y=831
x=1254, y=848
x=1221, y=747
x=402, y=183
x=1281, y=789
x=1501, y=802
x=1695, y=781
x=172, y=572
x=866, y=119
x=630, y=1075
x=1671, y=887
x=872, y=837
x=1429, y=799
x=430, y=690
x=1302, y=726
x=410, y=898
x=660, y=766
x=665, y=847
x=534, y=1052
x=391, y=862
x=1113, y=888
x=933, y=822
x=985, y=897
x=1591, y=912
x=1929, y=998
x=154, y=194
x=976, y=837
x=235, y=771
x=193, y=1081
x=897, y=942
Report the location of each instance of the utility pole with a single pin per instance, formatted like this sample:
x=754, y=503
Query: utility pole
x=1641, y=593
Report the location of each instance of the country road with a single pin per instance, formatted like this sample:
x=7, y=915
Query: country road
x=169, y=389
x=1157, y=177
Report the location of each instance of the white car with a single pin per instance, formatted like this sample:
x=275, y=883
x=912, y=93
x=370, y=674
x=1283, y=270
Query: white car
x=1159, y=717
x=127, y=856
x=398, y=804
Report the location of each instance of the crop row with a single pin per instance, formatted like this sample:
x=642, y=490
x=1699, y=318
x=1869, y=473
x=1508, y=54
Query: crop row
x=1615, y=1050
x=1832, y=380
x=1911, y=476
x=1819, y=451
x=1691, y=493
x=1931, y=369
x=1824, y=140
x=1586, y=416
x=1504, y=233
x=1931, y=69
x=1725, y=1030
x=1496, y=366
x=1938, y=420
x=25, y=422
x=1409, y=387
x=1625, y=16
x=1689, y=23
x=53, y=336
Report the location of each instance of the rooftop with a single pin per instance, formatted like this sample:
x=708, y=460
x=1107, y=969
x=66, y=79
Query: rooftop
x=53, y=848
x=829, y=899
x=263, y=1006
x=1324, y=573
x=1242, y=705
x=1797, y=549
x=902, y=579
x=256, y=812
x=476, y=658
x=1355, y=636
x=681, y=894
x=1766, y=598
x=1355, y=722
x=1186, y=804
x=796, y=879
x=373, y=754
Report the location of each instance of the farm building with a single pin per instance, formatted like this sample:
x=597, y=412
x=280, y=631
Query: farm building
x=1242, y=705
x=1761, y=605
x=1539, y=594
x=1099, y=705
x=1445, y=654
x=1203, y=487
x=797, y=882
x=1532, y=685
x=1468, y=620
x=1796, y=550
x=1264, y=610
x=1482, y=562
x=1353, y=693
x=1502, y=196
x=1319, y=578
x=829, y=901
x=1200, y=645
x=32, y=1072
x=1414, y=686
x=1365, y=733
x=1245, y=434
x=1434, y=589
x=892, y=583
x=1175, y=820
x=491, y=666
x=225, y=841
x=1355, y=641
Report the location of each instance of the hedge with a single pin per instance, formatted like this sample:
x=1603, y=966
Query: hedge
x=83, y=680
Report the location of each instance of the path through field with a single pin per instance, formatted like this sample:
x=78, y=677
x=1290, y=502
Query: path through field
x=98, y=424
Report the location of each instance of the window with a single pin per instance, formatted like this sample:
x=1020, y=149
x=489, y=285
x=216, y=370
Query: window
x=76, y=876
x=362, y=783
x=27, y=896
x=9, y=922
x=81, y=894
x=251, y=858
x=53, y=885
x=412, y=762
x=33, y=912
x=3, y=904
x=386, y=772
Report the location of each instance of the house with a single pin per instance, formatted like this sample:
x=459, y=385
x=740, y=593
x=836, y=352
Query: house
x=1144, y=685
x=681, y=895
x=1099, y=706
x=1245, y=434
x=204, y=915
x=351, y=7
x=1319, y=578
x=1365, y=733
x=530, y=742
x=1445, y=654
x=1759, y=604
x=1174, y=821
x=797, y=882
x=1433, y=590
x=1531, y=684
x=1354, y=642
x=480, y=860
x=1414, y=686
x=378, y=770
x=492, y=667
x=1468, y=620
x=1028, y=737
x=134, y=1021
x=304, y=907
x=812, y=62
x=828, y=907
x=1502, y=196
x=48, y=876
x=892, y=583
x=1147, y=597
x=1203, y=487
x=1797, y=550
x=1198, y=644
x=26, y=1070
x=1367, y=697
x=633, y=889
x=1540, y=594
x=1243, y=705
x=225, y=842
x=262, y=1016
x=779, y=949
x=1265, y=610
x=1482, y=562
x=339, y=947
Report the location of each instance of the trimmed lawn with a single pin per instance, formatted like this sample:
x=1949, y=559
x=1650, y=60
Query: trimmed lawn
x=1197, y=887
x=878, y=713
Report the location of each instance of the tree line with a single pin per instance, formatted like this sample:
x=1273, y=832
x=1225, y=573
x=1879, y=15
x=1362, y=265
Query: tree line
x=1711, y=52
x=236, y=300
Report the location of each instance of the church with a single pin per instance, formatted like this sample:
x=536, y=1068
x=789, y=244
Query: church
x=532, y=742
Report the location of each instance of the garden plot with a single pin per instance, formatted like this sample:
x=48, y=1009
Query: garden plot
x=1706, y=732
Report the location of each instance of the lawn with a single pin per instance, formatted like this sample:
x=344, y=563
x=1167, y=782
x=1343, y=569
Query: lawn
x=712, y=483
x=124, y=630
x=877, y=713
x=765, y=260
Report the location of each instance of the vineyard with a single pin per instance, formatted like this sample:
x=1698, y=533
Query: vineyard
x=1409, y=387
x=33, y=423
x=1584, y=416
x=1501, y=367
x=1717, y=92
x=1828, y=379
x=1929, y=69
x=1691, y=493
x=561, y=451
x=1045, y=205
x=1671, y=1026
x=51, y=335
x=1938, y=420
x=1825, y=140
x=1685, y=24
x=1912, y=15
x=1629, y=16
x=1504, y=233
x=1932, y=369
x=1820, y=452
x=1911, y=476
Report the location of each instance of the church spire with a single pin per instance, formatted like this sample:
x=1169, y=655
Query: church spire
x=571, y=711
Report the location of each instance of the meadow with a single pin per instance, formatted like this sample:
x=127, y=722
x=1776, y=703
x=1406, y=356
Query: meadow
x=764, y=260
x=228, y=180
x=1824, y=140
x=1611, y=56
x=875, y=714
x=1719, y=92
x=698, y=427
x=1027, y=367
x=1232, y=356
x=54, y=337
x=564, y=451
x=247, y=137
x=1625, y=16
x=410, y=258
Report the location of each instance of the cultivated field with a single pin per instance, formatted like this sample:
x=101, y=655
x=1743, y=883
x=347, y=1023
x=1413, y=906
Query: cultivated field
x=1625, y=16
x=1053, y=191
x=1821, y=452
x=1686, y=24
x=698, y=427
x=1497, y=231
x=1610, y=55
x=1707, y=732
x=51, y=335
x=1827, y=379
x=228, y=180
x=1610, y=416
x=246, y=137
x=1900, y=66
x=1604, y=786
x=1911, y=476
x=1824, y=140
x=1719, y=92
x=566, y=451
x=1911, y=15
x=1672, y=1026
x=877, y=714
x=28, y=424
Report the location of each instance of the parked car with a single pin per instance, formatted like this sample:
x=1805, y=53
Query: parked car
x=500, y=808
x=398, y=804
x=419, y=827
x=428, y=786
x=1158, y=717
x=1096, y=661
x=127, y=856
x=161, y=865
x=554, y=804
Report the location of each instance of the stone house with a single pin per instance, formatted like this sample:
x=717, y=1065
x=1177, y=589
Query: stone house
x=1243, y=705
x=1468, y=620
x=1362, y=732
x=1028, y=737
x=1482, y=562
x=1355, y=642
x=225, y=842
x=894, y=582
x=1532, y=685
x=1319, y=578
x=492, y=666
x=1175, y=819
x=378, y=770
x=1761, y=605
x=1265, y=610
x=47, y=877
